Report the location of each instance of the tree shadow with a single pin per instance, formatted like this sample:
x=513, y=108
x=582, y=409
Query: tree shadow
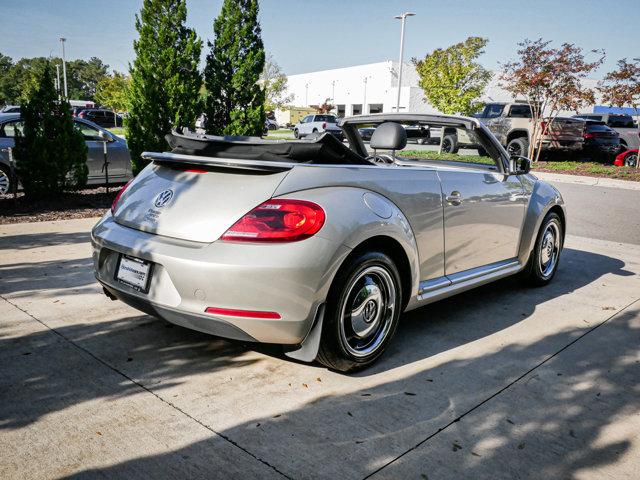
x=38, y=240
x=553, y=418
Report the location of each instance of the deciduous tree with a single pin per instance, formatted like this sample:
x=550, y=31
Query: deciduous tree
x=50, y=153
x=274, y=83
x=234, y=102
x=550, y=80
x=165, y=80
x=452, y=79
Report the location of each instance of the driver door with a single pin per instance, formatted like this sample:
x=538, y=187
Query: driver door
x=483, y=215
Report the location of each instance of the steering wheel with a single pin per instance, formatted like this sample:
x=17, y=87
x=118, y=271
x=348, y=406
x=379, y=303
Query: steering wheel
x=379, y=158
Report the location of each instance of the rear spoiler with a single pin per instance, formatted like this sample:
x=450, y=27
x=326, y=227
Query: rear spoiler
x=232, y=163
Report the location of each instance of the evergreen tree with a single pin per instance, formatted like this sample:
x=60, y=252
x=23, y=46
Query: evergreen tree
x=50, y=153
x=165, y=80
x=234, y=103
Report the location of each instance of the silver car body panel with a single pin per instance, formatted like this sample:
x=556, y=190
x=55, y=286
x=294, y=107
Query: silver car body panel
x=449, y=246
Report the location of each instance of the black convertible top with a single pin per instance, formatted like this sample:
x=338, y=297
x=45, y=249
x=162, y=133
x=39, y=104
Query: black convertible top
x=321, y=149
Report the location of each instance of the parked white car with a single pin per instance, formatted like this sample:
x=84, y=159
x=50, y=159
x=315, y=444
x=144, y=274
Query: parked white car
x=317, y=124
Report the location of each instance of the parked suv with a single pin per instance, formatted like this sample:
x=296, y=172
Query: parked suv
x=317, y=124
x=623, y=124
x=601, y=142
x=512, y=125
x=102, y=117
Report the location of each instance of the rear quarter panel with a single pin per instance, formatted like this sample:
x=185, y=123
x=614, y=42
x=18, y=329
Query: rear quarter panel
x=364, y=202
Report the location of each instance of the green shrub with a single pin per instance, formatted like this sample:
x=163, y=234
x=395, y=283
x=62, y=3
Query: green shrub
x=51, y=155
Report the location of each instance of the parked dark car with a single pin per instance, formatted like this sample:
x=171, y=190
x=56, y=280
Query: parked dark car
x=100, y=116
x=117, y=151
x=601, y=142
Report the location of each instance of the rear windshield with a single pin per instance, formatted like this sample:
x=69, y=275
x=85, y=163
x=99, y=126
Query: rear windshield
x=326, y=118
x=597, y=127
x=620, y=121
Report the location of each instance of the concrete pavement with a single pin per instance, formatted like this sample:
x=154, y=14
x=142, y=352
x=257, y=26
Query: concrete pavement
x=91, y=388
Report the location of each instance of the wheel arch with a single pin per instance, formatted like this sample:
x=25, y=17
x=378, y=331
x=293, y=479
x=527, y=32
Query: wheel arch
x=520, y=133
x=394, y=249
x=544, y=199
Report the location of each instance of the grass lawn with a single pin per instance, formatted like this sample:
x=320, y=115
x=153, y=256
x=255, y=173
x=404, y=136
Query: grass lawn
x=590, y=169
x=117, y=131
x=283, y=133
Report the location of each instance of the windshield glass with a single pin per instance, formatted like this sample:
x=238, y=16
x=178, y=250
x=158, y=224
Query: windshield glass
x=436, y=144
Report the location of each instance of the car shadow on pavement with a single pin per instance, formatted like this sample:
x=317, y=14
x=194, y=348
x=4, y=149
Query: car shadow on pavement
x=552, y=423
x=480, y=312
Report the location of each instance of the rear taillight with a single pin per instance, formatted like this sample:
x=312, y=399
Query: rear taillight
x=82, y=114
x=118, y=195
x=324, y=125
x=543, y=127
x=589, y=135
x=278, y=221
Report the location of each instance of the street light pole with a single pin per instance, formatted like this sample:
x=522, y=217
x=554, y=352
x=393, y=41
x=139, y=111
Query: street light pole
x=364, y=105
x=333, y=91
x=64, y=67
x=58, y=79
x=306, y=94
x=403, y=18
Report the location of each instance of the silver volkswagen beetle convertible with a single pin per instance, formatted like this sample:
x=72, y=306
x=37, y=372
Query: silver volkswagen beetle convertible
x=319, y=245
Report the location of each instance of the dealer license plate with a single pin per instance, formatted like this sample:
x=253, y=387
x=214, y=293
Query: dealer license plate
x=134, y=273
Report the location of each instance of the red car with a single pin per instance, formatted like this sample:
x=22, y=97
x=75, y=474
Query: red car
x=628, y=158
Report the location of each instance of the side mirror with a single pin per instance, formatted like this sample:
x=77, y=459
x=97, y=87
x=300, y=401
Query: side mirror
x=519, y=165
x=105, y=136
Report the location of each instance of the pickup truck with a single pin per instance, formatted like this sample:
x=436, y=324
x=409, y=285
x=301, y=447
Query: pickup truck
x=313, y=124
x=623, y=124
x=512, y=125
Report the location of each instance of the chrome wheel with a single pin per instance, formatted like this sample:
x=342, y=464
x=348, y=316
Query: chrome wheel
x=5, y=183
x=366, y=316
x=549, y=249
x=631, y=160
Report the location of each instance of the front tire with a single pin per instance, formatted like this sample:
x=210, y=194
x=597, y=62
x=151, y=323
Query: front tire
x=518, y=147
x=296, y=134
x=449, y=144
x=545, y=257
x=362, y=312
x=5, y=180
x=631, y=159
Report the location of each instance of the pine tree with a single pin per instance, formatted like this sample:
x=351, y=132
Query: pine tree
x=165, y=80
x=50, y=153
x=234, y=103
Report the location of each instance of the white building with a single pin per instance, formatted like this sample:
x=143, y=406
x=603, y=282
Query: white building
x=372, y=88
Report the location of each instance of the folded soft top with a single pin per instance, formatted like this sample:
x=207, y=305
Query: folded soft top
x=321, y=149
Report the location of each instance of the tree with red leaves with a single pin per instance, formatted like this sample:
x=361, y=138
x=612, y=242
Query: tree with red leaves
x=550, y=80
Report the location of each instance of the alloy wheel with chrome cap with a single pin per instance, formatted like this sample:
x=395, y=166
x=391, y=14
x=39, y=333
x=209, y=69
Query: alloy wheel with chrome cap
x=363, y=309
x=545, y=257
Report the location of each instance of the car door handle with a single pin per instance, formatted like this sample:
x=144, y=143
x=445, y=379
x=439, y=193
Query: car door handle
x=455, y=198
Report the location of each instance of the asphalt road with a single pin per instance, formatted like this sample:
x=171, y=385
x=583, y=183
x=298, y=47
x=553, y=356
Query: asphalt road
x=604, y=213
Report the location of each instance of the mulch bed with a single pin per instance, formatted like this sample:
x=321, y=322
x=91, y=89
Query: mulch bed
x=91, y=202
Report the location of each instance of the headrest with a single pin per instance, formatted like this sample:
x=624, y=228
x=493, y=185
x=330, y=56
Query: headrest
x=389, y=136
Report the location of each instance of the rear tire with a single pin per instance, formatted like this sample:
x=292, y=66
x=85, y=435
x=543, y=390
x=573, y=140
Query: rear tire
x=362, y=312
x=545, y=257
x=5, y=180
x=296, y=134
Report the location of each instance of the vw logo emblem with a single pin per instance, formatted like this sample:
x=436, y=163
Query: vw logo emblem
x=163, y=198
x=370, y=310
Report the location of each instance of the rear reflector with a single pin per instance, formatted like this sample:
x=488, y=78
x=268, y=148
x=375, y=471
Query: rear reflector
x=114, y=205
x=243, y=313
x=280, y=220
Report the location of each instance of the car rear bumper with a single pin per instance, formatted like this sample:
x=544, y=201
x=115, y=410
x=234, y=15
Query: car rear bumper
x=187, y=277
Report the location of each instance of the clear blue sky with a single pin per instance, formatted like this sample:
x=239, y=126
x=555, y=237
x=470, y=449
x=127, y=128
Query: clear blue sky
x=308, y=35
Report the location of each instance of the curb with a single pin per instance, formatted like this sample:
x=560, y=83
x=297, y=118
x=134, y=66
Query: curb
x=583, y=180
